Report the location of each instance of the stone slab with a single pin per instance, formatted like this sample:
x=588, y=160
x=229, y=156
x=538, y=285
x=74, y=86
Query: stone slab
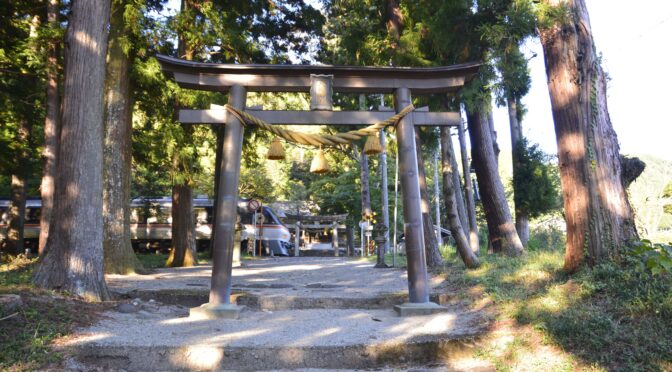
x=220, y=311
x=259, y=340
x=413, y=309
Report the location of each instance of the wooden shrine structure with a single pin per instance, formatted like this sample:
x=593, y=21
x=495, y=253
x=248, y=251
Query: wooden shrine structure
x=321, y=81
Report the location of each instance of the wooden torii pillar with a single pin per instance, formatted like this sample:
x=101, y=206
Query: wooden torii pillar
x=239, y=79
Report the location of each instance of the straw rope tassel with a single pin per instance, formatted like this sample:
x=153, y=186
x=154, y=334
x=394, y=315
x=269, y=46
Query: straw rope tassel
x=319, y=164
x=275, y=150
x=372, y=146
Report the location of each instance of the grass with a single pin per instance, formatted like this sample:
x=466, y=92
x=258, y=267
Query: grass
x=157, y=261
x=26, y=336
x=610, y=317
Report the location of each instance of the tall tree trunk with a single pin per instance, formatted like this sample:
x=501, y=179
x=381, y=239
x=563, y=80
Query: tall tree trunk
x=394, y=20
x=183, y=252
x=457, y=189
x=432, y=253
x=468, y=192
x=219, y=132
x=364, y=180
x=501, y=229
x=449, y=196
x=522, y=219
x=51, y=128
x=14, y=241
x=119, y=255
x=597, y=211
x=73, y=259
x=384, y=189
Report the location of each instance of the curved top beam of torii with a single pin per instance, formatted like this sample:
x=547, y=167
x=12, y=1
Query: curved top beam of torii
x=296, y=78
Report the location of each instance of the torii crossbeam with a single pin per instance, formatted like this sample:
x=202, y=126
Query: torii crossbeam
x=321, y=81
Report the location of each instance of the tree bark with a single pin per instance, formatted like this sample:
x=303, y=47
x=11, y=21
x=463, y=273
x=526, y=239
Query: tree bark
x=119, y=255
x=598, y=214
x=384, y=190
x=449, y=196
x=457, y=189
x=432, y=253
x=183, y=252
x=364, y=180
x=468, y=192
x=502, y=231
x=51, y=128
x=14, y=242
x=73, y=259
x=522, y=219
x=395, y=20
x=219, y=132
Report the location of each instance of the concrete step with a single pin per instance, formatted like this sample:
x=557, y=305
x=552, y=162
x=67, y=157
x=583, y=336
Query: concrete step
x=274, y=302
x=165, y=339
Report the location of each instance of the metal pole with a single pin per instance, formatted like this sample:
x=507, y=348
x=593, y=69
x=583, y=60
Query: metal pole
x=396, y=207
x=468, y=191
x=437, y=199
x=227, y=198
x=297, y=238
x=418, y=286
x=334, y=238
x=384, y=197
x=362, y=238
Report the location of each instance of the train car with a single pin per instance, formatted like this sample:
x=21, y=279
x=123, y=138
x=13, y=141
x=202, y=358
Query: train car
x=31, y=225
x=151, y=227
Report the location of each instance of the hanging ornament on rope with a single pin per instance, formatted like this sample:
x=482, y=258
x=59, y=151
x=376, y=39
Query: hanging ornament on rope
x=275, y=150
x=372, y=145
x=319, y=164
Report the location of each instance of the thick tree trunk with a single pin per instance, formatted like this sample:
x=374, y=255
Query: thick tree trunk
x=119, y=255
x=384, y=190
x=522, y=220
x=432, y=253
x=183, y=252
x=468, y=192
x=449, y=196
x=459, y=195
x=597, y=211
x=51, y=128
x=394, y=20
x=364, y=180
x=73, y=259
x=14, y=241
x=219, y=132
x=502, y=231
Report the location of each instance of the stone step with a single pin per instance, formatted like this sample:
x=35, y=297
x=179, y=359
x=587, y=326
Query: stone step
x=198, y=296
x=322, y=338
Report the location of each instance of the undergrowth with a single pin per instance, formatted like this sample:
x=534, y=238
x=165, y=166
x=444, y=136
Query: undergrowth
x=26, y=333
x=612, y=316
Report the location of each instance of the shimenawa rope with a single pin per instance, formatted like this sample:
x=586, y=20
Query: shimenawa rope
x=318, y=139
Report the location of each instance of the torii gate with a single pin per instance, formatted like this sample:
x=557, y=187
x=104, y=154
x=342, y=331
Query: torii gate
x=320, y=81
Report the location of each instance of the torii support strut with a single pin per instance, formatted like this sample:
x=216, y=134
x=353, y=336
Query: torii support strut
x=237, y=79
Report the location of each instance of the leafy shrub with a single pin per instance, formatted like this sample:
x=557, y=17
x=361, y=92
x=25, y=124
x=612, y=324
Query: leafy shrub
x=655, y=257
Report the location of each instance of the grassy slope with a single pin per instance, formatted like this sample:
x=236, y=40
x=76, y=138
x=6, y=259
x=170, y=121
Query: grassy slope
x=609, y=317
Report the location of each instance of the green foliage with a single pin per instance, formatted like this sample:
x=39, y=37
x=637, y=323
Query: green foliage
x=613, y=316
x=535, y=180
x=656, y=258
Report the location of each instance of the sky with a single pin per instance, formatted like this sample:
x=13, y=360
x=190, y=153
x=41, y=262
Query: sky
x=636, y=45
